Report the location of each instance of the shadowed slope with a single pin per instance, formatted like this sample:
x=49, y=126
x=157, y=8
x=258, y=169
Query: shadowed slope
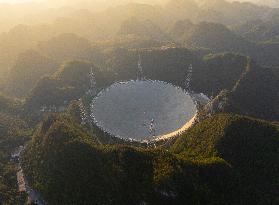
x=250, y=146
x=62, y=156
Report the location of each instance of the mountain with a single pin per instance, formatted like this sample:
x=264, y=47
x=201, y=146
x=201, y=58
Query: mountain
x=271, y=3
x=25, y=37
x=219, y=38
x=106, y=24
x=259, y=30
x=258, y=99
x=212, y=73
x=18, y=40
x=249, y=145
x=118, y=174
x=213, y=36
x=13, y=132
x=181, y=29
x=228, y=156
x=254, y=93
x=9, y=105
x=66, y=47
x=70, y=82
x=240, y=151
x=50, y=90
x=44, y=59
x=29, y=68
x=145, y=28
x=176, y=10
x=230, y=13
x=219, y=72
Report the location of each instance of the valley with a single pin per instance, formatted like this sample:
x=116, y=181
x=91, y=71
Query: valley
x=139, y=102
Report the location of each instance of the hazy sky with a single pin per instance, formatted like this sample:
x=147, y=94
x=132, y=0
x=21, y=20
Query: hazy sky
x=66, y=1
x=63, y=2
x=79, y=2
x=23, y=1
x=18, y=1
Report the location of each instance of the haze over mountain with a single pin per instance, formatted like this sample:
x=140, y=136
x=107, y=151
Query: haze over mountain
x=57, y=56
x=271, y=3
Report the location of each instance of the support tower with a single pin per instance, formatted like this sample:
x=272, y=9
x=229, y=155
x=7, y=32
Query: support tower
x=140, y=69
x=92, y=89
x=189, y=78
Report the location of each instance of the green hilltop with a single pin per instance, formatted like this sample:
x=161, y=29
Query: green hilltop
x=250, y=146
x=229, y=156
x=223, y=160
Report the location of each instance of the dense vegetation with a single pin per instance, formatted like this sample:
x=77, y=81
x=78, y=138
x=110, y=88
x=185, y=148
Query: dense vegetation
x=13, y=132
x=223, y=159
x=212, y=73
x=256, y=99
x=226, y=159
x=20, y=81
x=151, y=20
x=250, y=146
x=115, y=174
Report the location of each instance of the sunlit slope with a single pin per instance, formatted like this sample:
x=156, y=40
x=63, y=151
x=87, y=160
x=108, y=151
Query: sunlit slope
x=29, y=68
x=165, y=65
x=44, y=60
x=70, y=82
x=31, y=23
x=196, y=174
x=212, y=73
x=249, y=145
x=13, y=132
x=119, y=174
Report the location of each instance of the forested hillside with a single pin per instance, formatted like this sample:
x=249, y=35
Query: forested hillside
x=57, y=57
x=122, y=175
x=249, y=145
x=129, y=175
x=13, y=132
x=212, y=73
